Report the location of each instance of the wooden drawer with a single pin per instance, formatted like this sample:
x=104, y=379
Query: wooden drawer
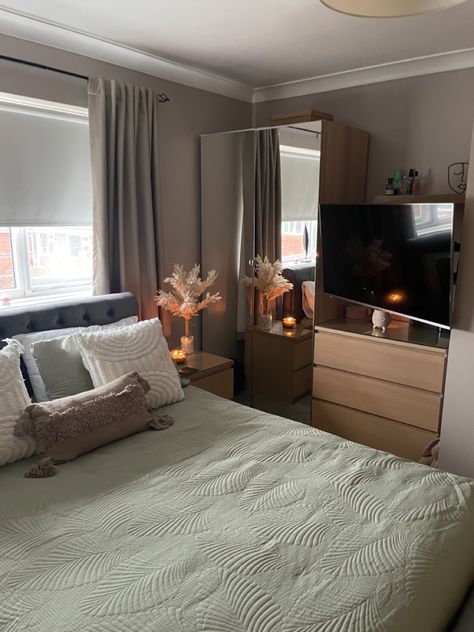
x=420, y=368
x=221, y=383
x=376, y=432
x=303, y=354
x=385, y=399
x=302, y=381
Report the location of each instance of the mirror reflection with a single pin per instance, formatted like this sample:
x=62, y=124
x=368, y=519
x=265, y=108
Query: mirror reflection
x=260, y=194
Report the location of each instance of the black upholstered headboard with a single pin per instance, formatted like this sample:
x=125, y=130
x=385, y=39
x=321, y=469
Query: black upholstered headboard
x=293, y=300
x=96, y=310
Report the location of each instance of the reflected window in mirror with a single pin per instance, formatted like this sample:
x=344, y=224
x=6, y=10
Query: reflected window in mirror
x=299, y=194
x=298, y=242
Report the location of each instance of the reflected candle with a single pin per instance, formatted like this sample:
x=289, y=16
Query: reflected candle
x=289, y=322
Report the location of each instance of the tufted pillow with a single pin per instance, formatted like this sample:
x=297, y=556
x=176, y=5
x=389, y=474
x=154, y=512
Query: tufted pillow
x=14, y=398
x=66, y=378
x=142, y=347
x=68, y=427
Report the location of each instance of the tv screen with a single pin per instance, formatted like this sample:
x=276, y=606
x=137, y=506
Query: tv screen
x=396, y=257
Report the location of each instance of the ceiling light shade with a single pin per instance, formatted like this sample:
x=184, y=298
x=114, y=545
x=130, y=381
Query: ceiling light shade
x=388, y=8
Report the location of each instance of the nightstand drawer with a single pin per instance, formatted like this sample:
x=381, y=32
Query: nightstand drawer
x=303, y=354
x=385, y=399
x=221, y=383
x=419, y=368
x=376, y=432
x=302, y=381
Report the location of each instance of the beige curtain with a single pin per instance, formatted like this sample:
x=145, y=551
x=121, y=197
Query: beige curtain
x=267, y=207
x=124, y=148
x=267, y=194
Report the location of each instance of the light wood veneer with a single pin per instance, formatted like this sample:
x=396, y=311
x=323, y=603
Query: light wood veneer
x=383, y=392
x=418, y=367
x=215, y=374
x=386, y=399
x=376, y=432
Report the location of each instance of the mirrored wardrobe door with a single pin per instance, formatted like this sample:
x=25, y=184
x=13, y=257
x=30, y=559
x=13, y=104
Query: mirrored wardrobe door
x=259, y=224
x=282, y=335
x=227, y=245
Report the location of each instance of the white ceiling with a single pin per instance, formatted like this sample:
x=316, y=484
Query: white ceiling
x=248, y=43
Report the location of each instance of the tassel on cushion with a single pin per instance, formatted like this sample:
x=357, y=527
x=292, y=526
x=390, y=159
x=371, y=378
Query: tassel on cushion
x=161, y=421
x=43, y=469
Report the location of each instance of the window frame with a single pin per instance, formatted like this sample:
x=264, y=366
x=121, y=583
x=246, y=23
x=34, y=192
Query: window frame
x=290, y=260
x=23, y=289
x=315, y=156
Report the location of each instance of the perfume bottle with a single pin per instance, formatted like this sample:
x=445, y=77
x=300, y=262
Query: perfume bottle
x=411, y=179
x=389, y=188
x=416, y=183
x=397, y=181
x=404, y=186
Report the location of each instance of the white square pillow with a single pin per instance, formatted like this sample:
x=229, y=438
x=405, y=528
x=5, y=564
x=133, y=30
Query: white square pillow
x=108, y=355
x=13, y=401
x=28, y=340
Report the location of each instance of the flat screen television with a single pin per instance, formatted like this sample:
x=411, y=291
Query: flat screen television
x=395, y=257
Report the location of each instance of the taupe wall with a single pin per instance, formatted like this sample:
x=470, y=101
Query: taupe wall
x=421, y=122
x=457, y=428
x=190, y=113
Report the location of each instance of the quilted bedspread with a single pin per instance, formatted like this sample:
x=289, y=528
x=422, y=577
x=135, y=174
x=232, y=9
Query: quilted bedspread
x=233, y=521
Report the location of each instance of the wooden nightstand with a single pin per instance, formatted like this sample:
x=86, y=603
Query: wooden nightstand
x=281, y=362
x=214, y=373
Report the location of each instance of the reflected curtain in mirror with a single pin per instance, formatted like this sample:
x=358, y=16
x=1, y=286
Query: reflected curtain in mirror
x=267, y=194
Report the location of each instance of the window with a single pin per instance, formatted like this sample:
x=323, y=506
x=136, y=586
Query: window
x=42, y=261
x=432, y=218
x=7, y=275
x=299, y=192
x=46, y=202
x=294, y=240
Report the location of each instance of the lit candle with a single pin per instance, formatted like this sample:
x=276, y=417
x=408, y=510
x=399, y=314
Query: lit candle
x=178, y=355
x=289, y=322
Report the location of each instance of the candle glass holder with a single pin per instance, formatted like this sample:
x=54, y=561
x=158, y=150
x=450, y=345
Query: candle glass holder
x=179, y=356
x=289, y=322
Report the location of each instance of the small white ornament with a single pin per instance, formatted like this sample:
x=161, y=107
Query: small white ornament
x=381, y=319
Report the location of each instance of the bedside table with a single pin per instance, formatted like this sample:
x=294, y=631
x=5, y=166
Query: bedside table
x=281, y=362
x=213, y=373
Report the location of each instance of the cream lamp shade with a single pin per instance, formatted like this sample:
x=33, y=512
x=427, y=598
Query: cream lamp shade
x=388, y=8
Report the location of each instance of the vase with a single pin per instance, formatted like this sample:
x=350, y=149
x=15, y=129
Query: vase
x=187, y=344
x=187, y=341
x=265, y=322
x=265, y=316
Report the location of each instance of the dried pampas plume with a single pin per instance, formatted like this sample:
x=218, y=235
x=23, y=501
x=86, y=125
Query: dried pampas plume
x=186, y=296
x=269, y=279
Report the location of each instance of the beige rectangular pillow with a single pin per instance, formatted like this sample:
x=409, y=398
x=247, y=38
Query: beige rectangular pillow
x=68, y=427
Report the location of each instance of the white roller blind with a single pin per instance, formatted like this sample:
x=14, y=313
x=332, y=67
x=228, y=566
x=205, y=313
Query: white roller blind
x=299, y=184
x=45, y=173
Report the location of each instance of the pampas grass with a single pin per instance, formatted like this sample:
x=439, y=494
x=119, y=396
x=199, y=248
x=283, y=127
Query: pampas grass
x=185, y=299
x=268, y=279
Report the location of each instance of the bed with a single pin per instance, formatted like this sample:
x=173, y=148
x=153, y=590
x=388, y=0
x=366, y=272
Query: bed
x=232, y=520
x=299, y=301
